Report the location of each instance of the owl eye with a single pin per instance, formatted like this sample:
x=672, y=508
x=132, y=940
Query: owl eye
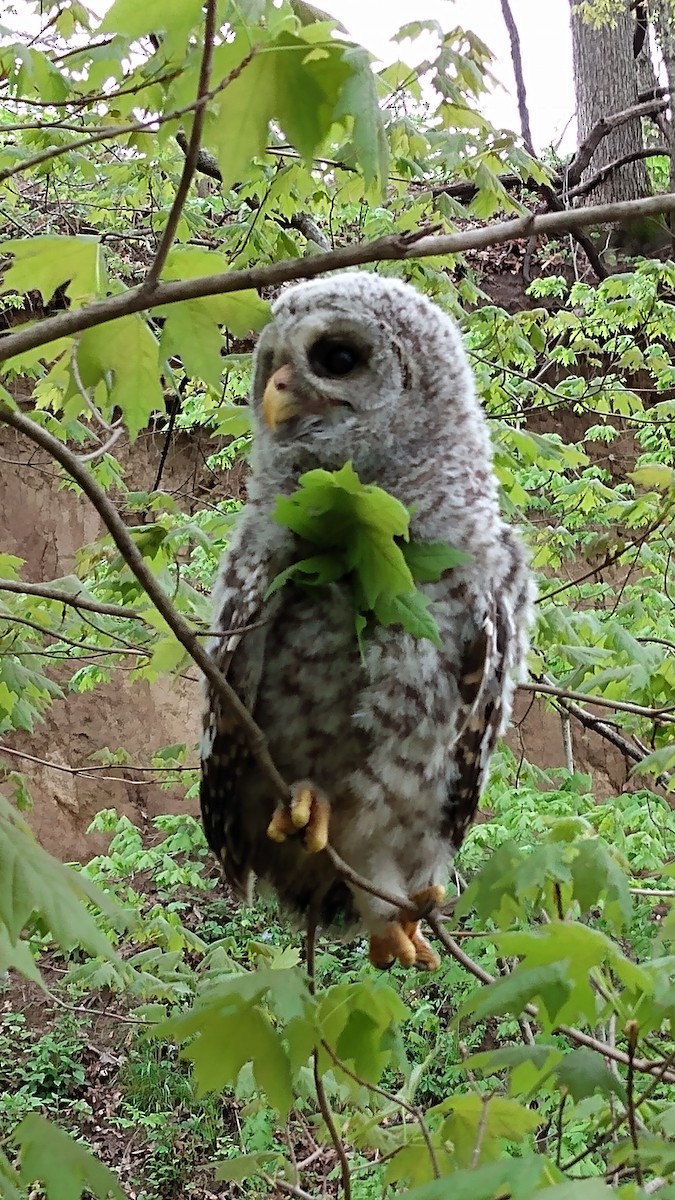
x=334, y=358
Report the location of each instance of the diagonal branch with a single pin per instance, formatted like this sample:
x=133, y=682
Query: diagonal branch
x=599, y=131
x=665, y=715
x=191, y=156
x=517, y=61
x=396, y=247
x=135, y=561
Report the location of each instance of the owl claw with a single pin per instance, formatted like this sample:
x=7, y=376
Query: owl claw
x=308, y=811
x=428, y=899
x=403, y=942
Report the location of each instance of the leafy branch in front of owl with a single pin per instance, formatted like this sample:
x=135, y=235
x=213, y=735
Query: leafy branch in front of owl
x=362, y=537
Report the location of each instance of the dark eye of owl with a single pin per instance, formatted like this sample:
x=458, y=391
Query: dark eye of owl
x=334, y=358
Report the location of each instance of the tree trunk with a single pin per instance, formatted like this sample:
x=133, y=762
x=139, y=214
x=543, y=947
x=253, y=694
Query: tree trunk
x=605, y=82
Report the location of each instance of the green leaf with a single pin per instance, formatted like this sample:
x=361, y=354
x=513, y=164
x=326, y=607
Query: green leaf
x=32, y=882
x=428, y=561
x=518, y=1178
x=64, y=1167
x=45, y=262
x=124, y=355
x=356, y=526
x=551, y=984
x=360, y=100
x=246, y=1166
x=9, y=1180
x=134, y=20
x=654, y=475
x=583, y=1072
x=10, y=566
x=311, y=572
x=410, y=610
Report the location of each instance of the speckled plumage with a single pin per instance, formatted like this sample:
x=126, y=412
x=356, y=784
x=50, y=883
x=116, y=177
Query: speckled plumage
x=399, y=742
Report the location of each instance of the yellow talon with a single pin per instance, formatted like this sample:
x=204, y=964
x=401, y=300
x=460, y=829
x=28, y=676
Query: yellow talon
x=301, y=807
x=308, y=810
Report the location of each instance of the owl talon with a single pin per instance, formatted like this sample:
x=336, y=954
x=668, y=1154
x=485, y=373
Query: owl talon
x=308, y=812
x=428, y=899
x=403, y=942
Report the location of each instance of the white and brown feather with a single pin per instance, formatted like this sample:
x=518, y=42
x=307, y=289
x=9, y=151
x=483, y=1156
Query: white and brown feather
x=400, y=739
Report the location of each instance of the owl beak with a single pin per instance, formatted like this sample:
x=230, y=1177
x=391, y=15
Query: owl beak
x=279, y=403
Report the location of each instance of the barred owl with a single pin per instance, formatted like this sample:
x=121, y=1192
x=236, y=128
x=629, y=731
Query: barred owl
x=386, y=751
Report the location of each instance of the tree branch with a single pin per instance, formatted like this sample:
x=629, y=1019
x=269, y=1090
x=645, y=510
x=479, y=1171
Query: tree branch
x=134, y=559
x=582, y=189
x=643, y=1065
x=599, y=131
x=653, y=714
x=72, y=599
x=109, y=132
x=400, y=247
x=517, y=61
x=155, y=270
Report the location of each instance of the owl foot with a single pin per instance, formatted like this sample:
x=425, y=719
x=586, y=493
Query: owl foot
x=402, y=942
x=308, y=812
x=428, y=899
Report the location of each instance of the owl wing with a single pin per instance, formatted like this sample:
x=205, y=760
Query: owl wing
x=225, y=756
x=484, y=688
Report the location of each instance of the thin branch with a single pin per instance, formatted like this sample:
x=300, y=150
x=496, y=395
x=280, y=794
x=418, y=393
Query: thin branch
x=191, y=156
x=137, y=564
x=582, y=189
x=643, y=1065
x=89, y=772
x=517, y=61
x=72, y=599
x=653, y=714
x=600, y=130
x=11, y=619
x=101, y=450
x=411, y=1109
x=322, y=1098
x=111, y=132
x=632, y=1036
x=395, y=247
x=350, y=876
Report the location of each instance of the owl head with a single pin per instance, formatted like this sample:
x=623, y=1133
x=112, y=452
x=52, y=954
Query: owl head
x=363, y=368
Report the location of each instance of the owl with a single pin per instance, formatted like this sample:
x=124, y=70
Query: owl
x=385, y=747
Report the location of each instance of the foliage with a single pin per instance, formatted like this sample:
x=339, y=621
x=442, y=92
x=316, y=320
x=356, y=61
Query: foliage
x=355, y=527
x=550, y=1067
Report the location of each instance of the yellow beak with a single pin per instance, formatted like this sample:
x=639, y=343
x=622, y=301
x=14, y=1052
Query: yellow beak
x=279, y=403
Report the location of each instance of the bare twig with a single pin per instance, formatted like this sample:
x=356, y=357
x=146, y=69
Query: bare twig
x=101, y=450
x=517, y=61
x=155, y=269
x=97, y=772
x=12, y=619
x=400, y=247
x=582, y=189
x=632, y=1037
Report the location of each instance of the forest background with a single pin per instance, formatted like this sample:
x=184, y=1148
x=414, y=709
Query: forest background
x=164, y=169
